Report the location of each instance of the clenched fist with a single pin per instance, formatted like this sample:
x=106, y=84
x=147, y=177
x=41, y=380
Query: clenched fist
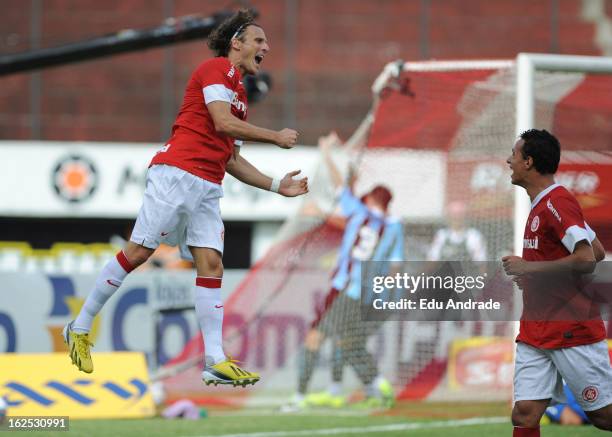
x=286, y=138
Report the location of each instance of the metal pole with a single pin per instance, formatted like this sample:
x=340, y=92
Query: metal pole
x=35, y=79
x=167, y=97
x=424, y=29
x=289, y=103
x=525, y=118
x=554, y=26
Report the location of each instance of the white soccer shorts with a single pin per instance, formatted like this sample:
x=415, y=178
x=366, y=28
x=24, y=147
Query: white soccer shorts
x=179, y=209
x=539, y=374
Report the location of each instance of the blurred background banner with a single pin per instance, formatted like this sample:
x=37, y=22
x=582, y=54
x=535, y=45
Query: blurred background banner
x=133, y=321
x=119, y=389
x=107, y=180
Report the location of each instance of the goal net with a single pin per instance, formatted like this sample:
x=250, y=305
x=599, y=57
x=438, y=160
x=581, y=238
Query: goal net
x=438, y=140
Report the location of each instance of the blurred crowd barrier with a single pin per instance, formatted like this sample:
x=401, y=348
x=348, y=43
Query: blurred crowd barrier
x=21, y=257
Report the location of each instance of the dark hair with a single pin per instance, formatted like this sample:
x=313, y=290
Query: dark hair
x=380, y=194
x=220, y=39
x=544, y=149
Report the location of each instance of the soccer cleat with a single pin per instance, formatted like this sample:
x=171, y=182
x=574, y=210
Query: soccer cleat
x=324, y=399
x=227, y=372
x=78, y=348
x=385, y=389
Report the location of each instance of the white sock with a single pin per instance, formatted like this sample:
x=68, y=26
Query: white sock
x=109, y=280
x=335, y=389
x=209, y=310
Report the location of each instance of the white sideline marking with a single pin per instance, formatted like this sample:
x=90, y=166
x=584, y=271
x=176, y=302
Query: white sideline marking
x=374, y=429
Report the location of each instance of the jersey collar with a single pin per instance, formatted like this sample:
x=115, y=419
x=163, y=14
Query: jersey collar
x=543, y=193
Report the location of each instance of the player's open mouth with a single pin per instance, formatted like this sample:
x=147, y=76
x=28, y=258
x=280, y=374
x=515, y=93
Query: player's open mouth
x=258, y=59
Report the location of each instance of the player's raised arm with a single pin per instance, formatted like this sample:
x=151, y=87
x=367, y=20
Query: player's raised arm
x=326, y=143
x=226, y=123
x=246, y=172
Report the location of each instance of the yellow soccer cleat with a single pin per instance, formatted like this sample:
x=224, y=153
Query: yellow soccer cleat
x=78, y=348
x=324, y=399
x=228, y=372
x=386, y=392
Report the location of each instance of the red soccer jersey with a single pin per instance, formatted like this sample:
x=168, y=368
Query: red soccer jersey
x=195, y=146
x=553, y=228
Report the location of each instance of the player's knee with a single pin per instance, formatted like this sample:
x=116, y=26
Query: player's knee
x=137, y=254
x=208, y=262
x=215, y=265
x=602, y=418
x=523, y=414
x=604, y=423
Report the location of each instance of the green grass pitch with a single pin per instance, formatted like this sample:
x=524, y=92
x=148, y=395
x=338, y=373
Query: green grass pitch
x=418, y=419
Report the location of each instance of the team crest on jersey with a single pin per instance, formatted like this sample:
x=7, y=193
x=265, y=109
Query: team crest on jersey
x=535, y=222
x=590, y=393
x=74, y=178
x=231, y=72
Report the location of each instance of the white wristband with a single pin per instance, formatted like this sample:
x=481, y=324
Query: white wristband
x=275, y=185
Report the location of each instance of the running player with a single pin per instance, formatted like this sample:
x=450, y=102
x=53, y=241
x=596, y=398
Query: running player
x=552, y=346
x=181, y=200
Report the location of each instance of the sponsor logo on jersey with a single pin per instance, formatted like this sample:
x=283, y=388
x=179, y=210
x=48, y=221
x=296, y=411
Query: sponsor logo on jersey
x=535, y=222
x=552, y=209
x=590, y=393
x=530, y=243
x=74, y=178
x=164, y=149
x=238, y=104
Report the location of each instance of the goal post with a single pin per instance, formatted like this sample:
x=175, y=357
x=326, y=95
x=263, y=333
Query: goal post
x=527, y=64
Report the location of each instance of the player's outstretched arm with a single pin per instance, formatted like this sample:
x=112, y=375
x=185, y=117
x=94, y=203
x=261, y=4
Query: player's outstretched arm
x=246, y=172
x=228, y=124
x=326, y=143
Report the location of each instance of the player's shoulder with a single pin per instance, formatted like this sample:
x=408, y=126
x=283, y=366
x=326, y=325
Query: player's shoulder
x=216, y=62
x=562, y=197
x=217, y=65
x=560, y=206
x=560, y=192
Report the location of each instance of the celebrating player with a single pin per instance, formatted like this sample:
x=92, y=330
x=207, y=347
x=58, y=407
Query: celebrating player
x=181, y=200
x=550, y=347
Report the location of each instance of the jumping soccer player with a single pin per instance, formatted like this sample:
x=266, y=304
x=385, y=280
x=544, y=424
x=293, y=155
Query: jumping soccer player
x=181, y=200
x=550, y=346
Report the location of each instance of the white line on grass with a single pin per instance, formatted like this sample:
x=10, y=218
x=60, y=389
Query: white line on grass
x=373, y=429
